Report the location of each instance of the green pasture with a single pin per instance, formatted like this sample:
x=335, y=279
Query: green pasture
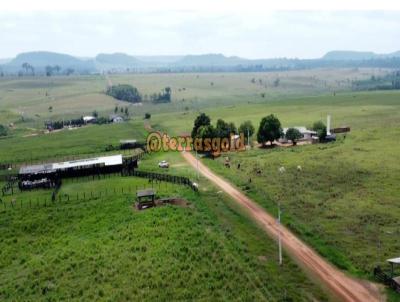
x=26, y=101
x=345, y=199
x=101, y=248
x=87, y=140
x=343, y=202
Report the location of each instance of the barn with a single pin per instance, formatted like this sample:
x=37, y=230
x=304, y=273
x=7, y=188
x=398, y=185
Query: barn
x=47, y=174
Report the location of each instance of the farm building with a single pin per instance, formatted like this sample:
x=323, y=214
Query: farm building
x=307, y=134
x=29, y=176
x=89, y=119
x=128, y=143
x=343, y=129
x=116, y=118
x=145, y=198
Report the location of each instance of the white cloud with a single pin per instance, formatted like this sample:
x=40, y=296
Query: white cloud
x=252, y=33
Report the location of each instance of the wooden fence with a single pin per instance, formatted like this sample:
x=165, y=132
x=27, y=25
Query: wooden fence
x=9, y=185
x=165, y=177
x=385, y=279
x=53, y=199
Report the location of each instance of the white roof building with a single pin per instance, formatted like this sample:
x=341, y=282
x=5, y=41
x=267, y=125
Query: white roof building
x=88, y=118
x=303, y=130
x=394, y=260
x=112, y=160
x=104, y=160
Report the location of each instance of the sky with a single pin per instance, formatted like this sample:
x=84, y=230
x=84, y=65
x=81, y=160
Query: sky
x=249, y=32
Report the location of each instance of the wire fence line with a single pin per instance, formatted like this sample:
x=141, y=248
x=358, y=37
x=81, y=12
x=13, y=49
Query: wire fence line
x=11, y=186
x=49, y=199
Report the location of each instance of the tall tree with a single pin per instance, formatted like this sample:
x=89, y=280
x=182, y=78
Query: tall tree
x=201, y=120
x=25, y=66
x=49, y=70
x=269, y=130
x=293, y=135
x=222, y=128
x=28, y=68
x=57, y=68
x=320, y=128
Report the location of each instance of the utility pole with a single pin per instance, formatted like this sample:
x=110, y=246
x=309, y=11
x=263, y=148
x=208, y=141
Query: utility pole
x=281, y=171
x=248, y=138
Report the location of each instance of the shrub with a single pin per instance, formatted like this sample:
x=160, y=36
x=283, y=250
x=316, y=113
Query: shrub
x=293, y=135
x=320, y=128
x=125, y=92
x=3, y=130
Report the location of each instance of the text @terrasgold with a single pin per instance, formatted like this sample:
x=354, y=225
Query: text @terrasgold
x=157, y=142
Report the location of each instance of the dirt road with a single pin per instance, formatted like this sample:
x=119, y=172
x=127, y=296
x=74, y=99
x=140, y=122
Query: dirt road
x=341, y=286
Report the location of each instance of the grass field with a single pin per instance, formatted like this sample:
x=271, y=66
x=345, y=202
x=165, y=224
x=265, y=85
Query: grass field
x=69, y=97
x=103, y=249
x=88, y=140
x=344, y=202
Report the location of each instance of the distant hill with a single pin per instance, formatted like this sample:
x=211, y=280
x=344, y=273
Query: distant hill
x=121, y=62
x=4, y=61
x=210, y=60
x=40, y=59
x=160, y=59
x=346, y=55
x=117, y=59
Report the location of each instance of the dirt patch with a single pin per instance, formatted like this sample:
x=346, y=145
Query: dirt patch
x=175, y=201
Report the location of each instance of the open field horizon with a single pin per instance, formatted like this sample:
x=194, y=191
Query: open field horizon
x=344, y=203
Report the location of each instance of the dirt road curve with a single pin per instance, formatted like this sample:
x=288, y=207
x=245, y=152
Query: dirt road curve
x=342, y=287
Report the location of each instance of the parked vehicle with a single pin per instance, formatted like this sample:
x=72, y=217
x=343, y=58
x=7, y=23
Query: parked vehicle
x=163, y=164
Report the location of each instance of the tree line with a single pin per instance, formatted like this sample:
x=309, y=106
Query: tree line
x=129, y=93
x=29, y=70
x=269, y=130
x=387, y=82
